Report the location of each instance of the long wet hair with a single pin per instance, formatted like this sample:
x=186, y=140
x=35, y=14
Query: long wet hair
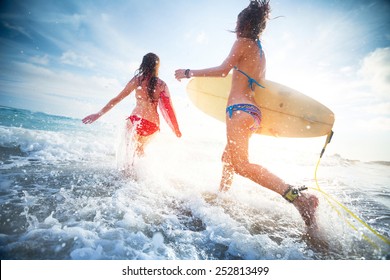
x=252, y=20
x=148, y=71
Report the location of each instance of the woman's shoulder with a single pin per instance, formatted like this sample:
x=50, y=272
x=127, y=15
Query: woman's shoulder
x=160, y=81
x=161, y=84
x=243, y=45
x=136, y=79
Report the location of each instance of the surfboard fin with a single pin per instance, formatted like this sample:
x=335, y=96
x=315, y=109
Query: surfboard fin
x=328, y=139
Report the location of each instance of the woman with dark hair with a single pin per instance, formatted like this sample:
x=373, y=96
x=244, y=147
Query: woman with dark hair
x=150, y=91
x=243, y=116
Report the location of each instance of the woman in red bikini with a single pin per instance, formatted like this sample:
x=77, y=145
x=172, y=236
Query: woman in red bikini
x=247, y=59
x=150, y=91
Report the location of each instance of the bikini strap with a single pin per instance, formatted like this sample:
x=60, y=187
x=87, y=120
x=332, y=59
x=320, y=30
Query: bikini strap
x=229, y=110
x=260, y=47
x=251, y=81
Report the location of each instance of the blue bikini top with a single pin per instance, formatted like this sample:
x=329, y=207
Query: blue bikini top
x=252, y=81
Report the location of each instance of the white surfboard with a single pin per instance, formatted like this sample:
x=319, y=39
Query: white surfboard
x=285, y=111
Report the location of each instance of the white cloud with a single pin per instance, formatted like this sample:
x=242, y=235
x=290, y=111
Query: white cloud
x=18, y=29
x=72, y=58
x=42, y=60
x=105, y=17
x=376, y=72
x=47, y=81
x=201, y=37
x=376, y=124
x=379, y=109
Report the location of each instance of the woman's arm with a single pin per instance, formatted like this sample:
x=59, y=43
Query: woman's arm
x=167, y=110
x=218, y=71
x=125, y=92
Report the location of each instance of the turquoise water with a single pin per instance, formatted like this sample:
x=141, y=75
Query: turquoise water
x=62, y=196
x=12, y=117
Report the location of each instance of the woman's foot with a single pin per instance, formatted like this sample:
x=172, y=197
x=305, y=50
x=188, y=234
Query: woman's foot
x=307, y=205
x=224, y=188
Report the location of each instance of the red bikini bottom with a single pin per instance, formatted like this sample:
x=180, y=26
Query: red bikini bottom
x=143, y=127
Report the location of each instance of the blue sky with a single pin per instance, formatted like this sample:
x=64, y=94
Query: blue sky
x=70, y=57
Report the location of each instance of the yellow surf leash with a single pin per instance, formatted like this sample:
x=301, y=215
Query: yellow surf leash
x=330, y=199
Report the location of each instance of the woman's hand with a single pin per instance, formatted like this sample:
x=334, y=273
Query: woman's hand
x=91, y=118
x=180, y=74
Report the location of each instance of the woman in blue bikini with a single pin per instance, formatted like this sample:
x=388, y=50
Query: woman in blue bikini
x=247, y=59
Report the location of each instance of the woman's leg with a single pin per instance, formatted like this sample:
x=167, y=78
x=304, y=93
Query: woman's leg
x=227, y=172
x=238, y=134
x=137, y=131
x=141, y=142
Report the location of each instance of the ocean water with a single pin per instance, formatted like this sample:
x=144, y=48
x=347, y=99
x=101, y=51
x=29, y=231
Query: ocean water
x=64, y=195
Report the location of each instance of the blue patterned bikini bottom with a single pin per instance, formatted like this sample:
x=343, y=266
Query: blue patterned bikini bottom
x=249, y=109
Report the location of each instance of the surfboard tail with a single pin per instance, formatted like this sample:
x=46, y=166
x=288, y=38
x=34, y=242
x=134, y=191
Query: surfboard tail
x=168, y=113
